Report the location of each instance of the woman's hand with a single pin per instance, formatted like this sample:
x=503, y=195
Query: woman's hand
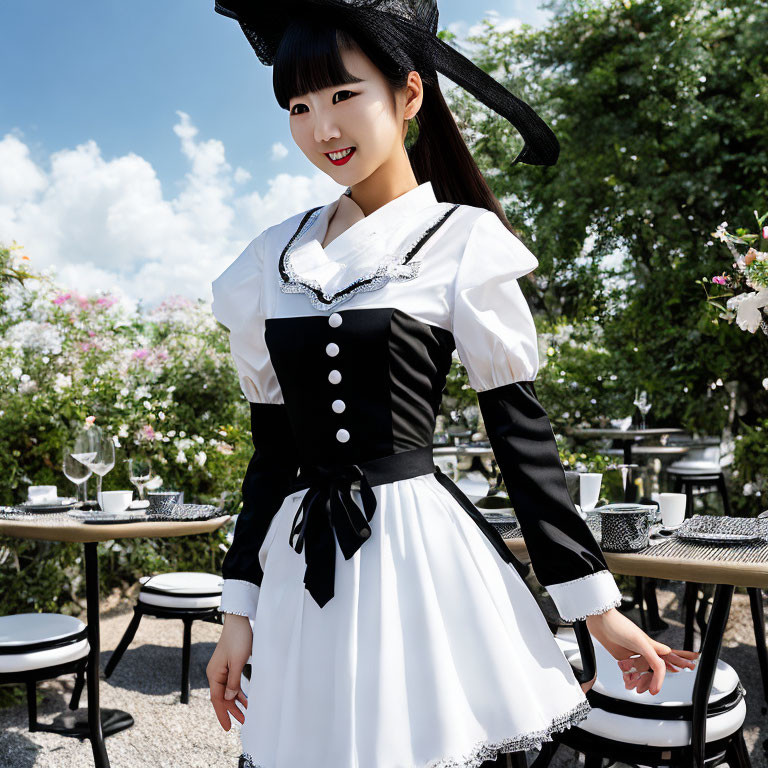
x=624, y=640
x=226, y=666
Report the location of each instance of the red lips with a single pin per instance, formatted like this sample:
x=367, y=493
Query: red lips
x=343, y=160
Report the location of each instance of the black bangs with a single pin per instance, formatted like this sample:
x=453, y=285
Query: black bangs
x=308, y=60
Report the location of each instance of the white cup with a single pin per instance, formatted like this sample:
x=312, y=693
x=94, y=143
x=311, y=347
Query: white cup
x=115, y=501
x=589, y=489
x=41, y=494
x=672, y=507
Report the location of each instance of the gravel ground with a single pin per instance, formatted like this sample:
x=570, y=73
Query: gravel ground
x=168, y=734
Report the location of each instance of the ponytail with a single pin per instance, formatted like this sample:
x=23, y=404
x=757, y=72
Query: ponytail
x=441, y=155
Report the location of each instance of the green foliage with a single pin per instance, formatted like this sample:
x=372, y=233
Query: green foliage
x=162, y=383
x=660, y=109
x=751, y=469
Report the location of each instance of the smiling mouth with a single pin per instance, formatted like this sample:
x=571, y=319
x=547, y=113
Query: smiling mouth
x=341, y=156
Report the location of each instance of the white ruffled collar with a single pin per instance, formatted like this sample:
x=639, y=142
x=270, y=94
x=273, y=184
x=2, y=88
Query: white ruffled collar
x=366, y=255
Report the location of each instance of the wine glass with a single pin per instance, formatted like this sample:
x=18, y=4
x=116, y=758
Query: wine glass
x=643, y=405
x=139, y=473
x=76, y=472
x=96, y=449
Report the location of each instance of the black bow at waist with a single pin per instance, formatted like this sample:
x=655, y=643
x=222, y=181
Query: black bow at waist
x=328, y=512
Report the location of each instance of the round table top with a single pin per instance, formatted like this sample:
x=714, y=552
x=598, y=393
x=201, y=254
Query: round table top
x=464, y=450
x=624, y=433
x=654, y=450
x=69, y=529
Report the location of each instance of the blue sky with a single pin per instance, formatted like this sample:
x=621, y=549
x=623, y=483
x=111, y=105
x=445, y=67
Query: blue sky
x=117, y=117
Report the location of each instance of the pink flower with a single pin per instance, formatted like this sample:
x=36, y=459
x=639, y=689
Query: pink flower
x=90, y=419
x=765, y=233
x=85, y=345
x=61, y=298
x=91, y=333
x=719, y=279
x=148, y=433
x=140, y=354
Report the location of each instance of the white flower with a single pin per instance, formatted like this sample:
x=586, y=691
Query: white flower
x=62, y=382
x=765, y=383
x=16, y=372
x=748, y=306
x=122, y=431
x=200, y=458
x=748, y=489
x=181, y=457
x=154, y=483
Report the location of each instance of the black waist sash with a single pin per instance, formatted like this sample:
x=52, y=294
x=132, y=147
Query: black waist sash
x=329, y=513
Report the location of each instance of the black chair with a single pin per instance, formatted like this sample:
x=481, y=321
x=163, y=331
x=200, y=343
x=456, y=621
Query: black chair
x=696, y=719
x=185, y=595
x=43, y=646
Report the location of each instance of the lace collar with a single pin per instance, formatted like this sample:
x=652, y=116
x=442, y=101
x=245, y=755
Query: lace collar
x=374, y=250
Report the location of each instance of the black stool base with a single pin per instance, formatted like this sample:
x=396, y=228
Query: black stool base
x=75, y=724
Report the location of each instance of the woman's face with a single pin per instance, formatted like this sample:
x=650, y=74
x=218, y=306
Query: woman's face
x=364, y=121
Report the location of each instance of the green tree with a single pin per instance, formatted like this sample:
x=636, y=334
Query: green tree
x=661, y=110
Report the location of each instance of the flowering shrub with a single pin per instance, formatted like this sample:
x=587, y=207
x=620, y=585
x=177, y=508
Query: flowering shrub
x=748, y=279
x=162, y=383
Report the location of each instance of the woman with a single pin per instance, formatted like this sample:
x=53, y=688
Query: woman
x=387, y=623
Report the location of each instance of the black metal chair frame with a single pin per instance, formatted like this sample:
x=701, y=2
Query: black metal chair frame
x=30, y=677
x=698, y=754
x=186, y=615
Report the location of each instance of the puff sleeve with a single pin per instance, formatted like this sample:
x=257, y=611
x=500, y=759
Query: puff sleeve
x=272, y=469
x=496, y=341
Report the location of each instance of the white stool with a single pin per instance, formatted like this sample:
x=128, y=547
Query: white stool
x=185, y=595
x=42, y=646
x=643, y=729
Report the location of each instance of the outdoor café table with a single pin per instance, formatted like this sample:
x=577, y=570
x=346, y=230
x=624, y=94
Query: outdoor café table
x=726, y=566
x=625, y=436
x=60, y=527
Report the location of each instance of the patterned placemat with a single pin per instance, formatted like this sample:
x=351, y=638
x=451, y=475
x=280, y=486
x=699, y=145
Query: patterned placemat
x=176, y=512
x=672, y=547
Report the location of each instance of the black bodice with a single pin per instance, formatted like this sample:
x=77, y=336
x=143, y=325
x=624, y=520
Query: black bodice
x=389, y=371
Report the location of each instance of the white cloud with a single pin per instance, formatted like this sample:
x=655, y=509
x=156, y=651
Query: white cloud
x=279, y=150
x=105, y=224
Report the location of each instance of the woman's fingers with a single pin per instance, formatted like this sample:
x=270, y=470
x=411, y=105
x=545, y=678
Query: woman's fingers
x=638, y=673
x=217, y=681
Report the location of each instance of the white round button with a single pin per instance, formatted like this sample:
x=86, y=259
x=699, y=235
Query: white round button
x=334, y=376
x=332, y=350
x=338, y=406
x=334, y=320
x=342, y=435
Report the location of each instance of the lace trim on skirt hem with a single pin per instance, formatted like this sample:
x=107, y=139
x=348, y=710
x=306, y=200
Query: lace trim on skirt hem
x=489, y=750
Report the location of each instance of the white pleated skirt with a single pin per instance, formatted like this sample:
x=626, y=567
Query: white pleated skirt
x=432, y=653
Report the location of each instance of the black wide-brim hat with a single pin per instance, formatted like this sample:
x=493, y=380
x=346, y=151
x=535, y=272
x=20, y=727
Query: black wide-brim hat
x=407, y=29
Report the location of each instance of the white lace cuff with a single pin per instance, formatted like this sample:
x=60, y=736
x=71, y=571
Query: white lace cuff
x=240, y=597
x=585, y=596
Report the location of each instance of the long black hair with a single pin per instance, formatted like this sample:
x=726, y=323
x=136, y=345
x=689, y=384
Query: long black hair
x=308, y=60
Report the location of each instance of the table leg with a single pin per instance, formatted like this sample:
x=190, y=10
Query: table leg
x=758, y=620
x=101, y=722
x=655, y=622
x=94, y=640
x=705, y=672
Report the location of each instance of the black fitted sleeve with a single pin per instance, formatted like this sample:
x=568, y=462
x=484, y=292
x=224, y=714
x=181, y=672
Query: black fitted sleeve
x=268, y=479
x=565, y=556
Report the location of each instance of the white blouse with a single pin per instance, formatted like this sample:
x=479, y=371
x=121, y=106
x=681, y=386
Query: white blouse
x=465, y=281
